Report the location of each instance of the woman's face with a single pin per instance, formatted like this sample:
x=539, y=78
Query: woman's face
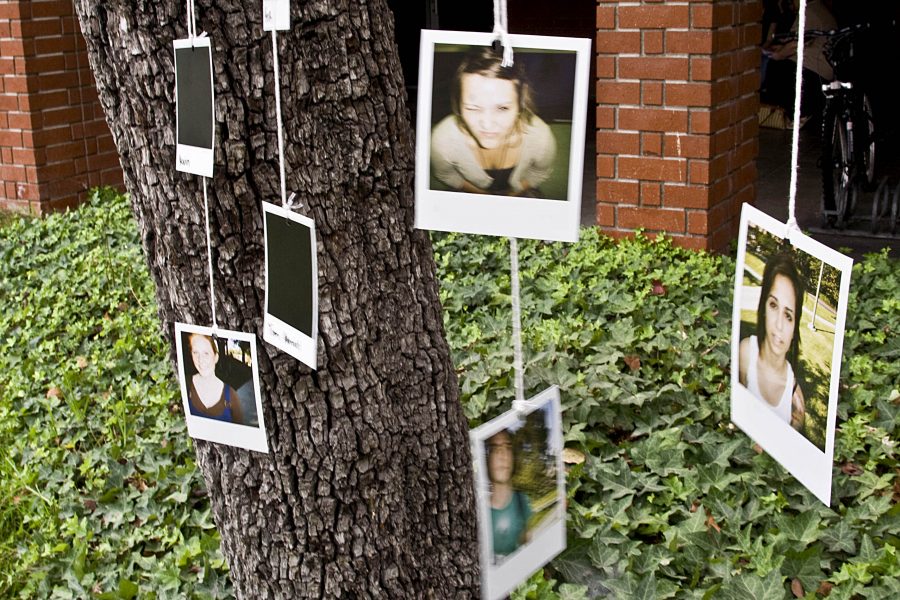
x=490, y=108
x=780, y=315
x=204, y=357
x=500, y=458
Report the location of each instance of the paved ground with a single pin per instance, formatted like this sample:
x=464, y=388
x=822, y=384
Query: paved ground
x=773, y=169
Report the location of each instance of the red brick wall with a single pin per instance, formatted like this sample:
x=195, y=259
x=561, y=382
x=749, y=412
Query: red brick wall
x=54, y=142
x=677, y=117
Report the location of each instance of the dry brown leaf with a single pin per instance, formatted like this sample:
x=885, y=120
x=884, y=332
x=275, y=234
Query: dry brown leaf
x=851, y=469
x=633, y=361
x=572, y=456
x=797, y=588
x=824, y=588
x=711, y=522
x=658, y=288
x=54, y=392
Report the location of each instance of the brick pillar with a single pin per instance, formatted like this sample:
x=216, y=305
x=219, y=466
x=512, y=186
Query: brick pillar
x=54, y=142
x=677, y=117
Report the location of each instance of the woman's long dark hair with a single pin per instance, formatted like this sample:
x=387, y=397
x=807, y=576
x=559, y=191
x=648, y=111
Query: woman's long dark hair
x=781, y=264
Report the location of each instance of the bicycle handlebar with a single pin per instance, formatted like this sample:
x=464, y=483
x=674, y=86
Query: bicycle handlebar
x=830, y=33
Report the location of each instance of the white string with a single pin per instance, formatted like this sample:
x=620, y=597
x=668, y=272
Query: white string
x=795, y=133
x=501, y=30
x=517, y=323
x=284, y=201
x=192, y=23
x=212, y=293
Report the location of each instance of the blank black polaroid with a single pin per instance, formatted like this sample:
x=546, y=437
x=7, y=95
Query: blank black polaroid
x=790, y=309
x=292, y=287
x=276, y=15
x=194, y=119
x=520, y=488
x=219, y=378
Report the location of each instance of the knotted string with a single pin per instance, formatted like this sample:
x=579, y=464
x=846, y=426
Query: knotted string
x=501, y=31
x=284, y=200
x=795, y=133
x=212, y=292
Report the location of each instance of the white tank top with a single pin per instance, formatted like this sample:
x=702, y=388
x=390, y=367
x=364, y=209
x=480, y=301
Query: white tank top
x=783, y=408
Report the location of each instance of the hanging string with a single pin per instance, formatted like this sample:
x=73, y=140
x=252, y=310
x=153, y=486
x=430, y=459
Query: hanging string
x=516, y=324
x=212, y=292
x=284, y=201
x=795, y=133
x=501, y=31
x=191, y=20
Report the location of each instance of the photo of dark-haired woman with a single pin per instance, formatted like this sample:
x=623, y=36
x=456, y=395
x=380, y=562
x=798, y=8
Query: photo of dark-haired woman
x=521, y=492
x=768, y=359
x=510, y=507
x=790, y=306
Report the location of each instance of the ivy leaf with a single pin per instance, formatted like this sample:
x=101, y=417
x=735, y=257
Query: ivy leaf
x=840, y=537
x=568, y=591
x=805, y=567
x=749, y=586
x=802, y=528
x=645, y=588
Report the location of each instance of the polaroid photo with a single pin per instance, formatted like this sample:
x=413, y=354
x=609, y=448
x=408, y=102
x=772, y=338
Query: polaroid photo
x=194, y=117
x=291, y=321
x=787, y=336
x=219, y=377
x=520, y=493
x=500, y=150
x=276, y=15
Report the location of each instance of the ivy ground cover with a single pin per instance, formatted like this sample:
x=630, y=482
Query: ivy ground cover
x=99, y=496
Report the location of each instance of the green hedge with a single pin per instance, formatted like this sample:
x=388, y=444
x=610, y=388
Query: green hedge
x=99, y=496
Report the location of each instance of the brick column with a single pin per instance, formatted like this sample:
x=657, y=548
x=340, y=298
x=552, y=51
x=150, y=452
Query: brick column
x=54, y=142
x=677, y=117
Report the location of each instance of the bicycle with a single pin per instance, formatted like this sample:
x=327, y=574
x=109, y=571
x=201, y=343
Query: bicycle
x=848, y=130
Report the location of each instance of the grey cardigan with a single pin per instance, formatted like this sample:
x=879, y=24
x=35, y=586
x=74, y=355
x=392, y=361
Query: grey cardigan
x=453, y=162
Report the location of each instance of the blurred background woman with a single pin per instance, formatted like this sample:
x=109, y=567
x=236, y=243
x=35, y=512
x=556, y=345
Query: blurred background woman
x=510, y=509
x=493, y=142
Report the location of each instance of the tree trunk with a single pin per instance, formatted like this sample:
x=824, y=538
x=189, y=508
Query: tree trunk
x=367, y=491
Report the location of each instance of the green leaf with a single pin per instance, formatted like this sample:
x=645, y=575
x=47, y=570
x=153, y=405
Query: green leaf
x=840, y=537
x=749, y=586
x=127, y=589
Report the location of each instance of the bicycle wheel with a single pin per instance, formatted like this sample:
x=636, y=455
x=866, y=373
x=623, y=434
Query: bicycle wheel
x=867, y=144
x=837, y=166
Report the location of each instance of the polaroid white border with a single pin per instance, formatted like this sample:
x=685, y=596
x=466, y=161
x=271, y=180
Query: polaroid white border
x=201, y=428
x=556, y=220
x=499, y=580
x=276, y=15
x=807, y=463
x=194, y=159
x=275, y=331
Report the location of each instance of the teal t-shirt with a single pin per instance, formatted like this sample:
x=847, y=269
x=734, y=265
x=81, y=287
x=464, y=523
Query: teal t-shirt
x=509, y=523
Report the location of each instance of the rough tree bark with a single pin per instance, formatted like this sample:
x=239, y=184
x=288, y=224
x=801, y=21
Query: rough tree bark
x=367, y=491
